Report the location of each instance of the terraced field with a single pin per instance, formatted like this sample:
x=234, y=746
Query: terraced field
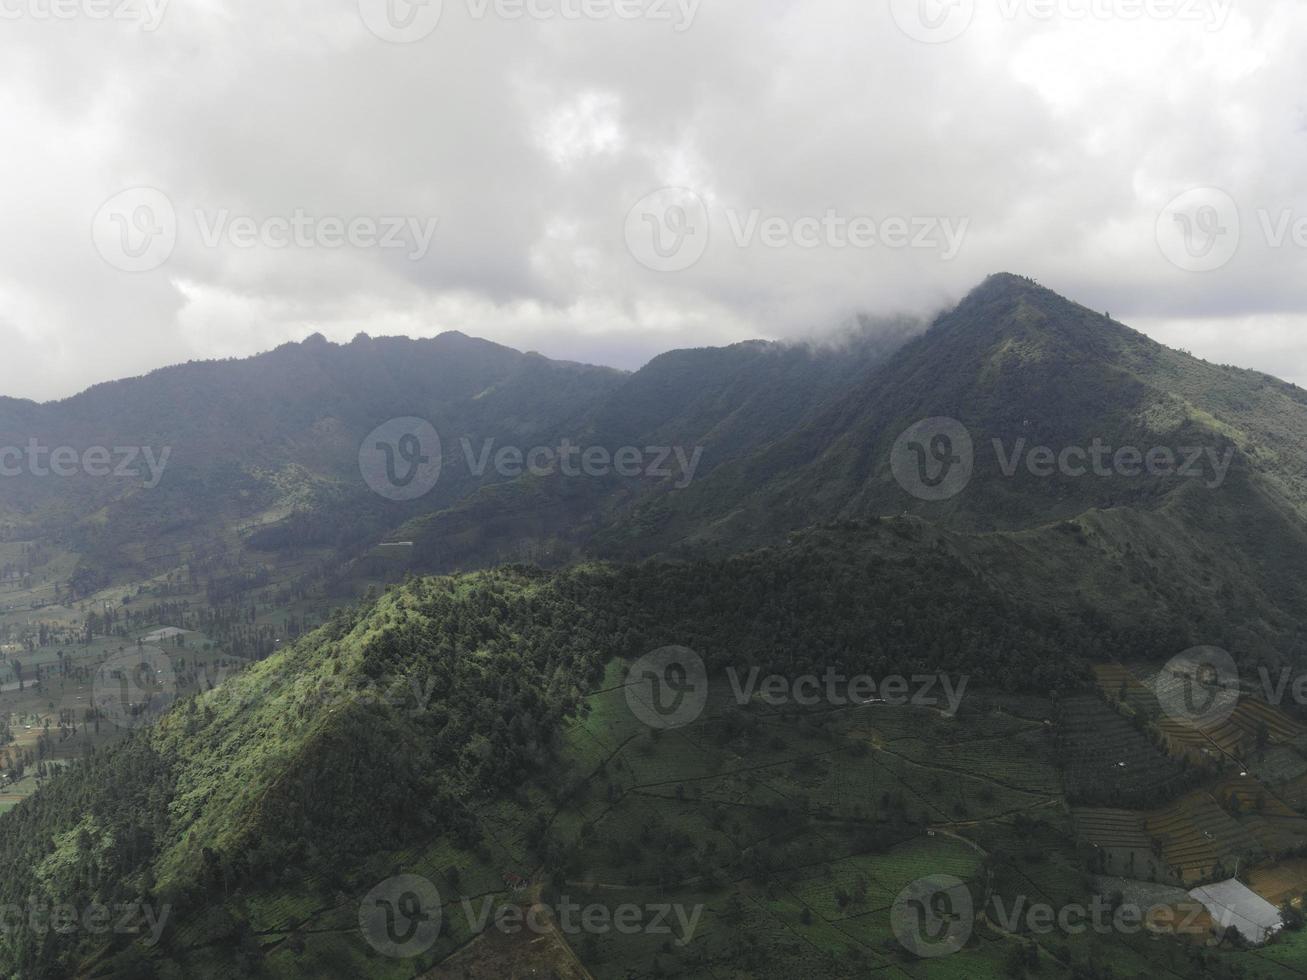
x=1119, y=683
x=1286, y=881
x=1200, y=841
x=1120, y=842
x=1102, y=827
x=1109, y=759
x=1276, y=825
x=1294, y=792
x=1235, y=738
x=1280, y=765
x=796, y=835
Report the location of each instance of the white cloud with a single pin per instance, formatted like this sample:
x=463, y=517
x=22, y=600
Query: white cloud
x=1057, y=140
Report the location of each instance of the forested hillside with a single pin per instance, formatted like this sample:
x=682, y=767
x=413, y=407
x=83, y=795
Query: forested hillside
x=387, y=726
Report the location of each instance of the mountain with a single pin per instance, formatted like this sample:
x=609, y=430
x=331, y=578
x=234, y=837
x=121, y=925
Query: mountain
x=885, y=507
x=754, y=441
x=262, y=454
x=1018, y=368
x=253, y=443
x=1016, y=363
x=708, y=406
x=456, y=727
x=397, y=724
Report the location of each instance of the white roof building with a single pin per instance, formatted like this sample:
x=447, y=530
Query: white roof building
x=1233, y=905
x=167, y=633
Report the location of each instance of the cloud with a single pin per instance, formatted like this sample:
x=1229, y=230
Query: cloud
x=1051, y=144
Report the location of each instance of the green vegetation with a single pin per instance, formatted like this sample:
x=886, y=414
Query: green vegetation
x=448, y=724
x=387, y=723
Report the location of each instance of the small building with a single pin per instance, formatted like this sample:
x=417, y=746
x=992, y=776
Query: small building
x=167, y=633
x=516, y=882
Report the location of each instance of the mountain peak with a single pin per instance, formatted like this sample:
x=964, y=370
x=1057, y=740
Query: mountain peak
x=1011, y=287
x=1008, y=308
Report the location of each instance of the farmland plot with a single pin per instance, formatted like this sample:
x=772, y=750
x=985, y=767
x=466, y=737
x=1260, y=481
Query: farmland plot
x=1200, y=840
x=1110, y=759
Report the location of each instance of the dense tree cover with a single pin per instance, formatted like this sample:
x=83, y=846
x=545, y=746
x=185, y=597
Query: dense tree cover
x=856, y=600
x=378, y=728
x=87, y=836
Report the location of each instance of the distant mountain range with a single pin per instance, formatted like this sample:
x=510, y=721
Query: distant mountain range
x=264, y=453
x=269, y=446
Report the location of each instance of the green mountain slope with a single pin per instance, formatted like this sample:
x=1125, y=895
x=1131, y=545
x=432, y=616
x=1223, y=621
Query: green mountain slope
x=1020, y=367
x=387, y=727
x=465, y=722
x=1016, y=362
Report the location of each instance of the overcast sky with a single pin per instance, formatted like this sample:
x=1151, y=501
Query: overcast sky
x=208, y=179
